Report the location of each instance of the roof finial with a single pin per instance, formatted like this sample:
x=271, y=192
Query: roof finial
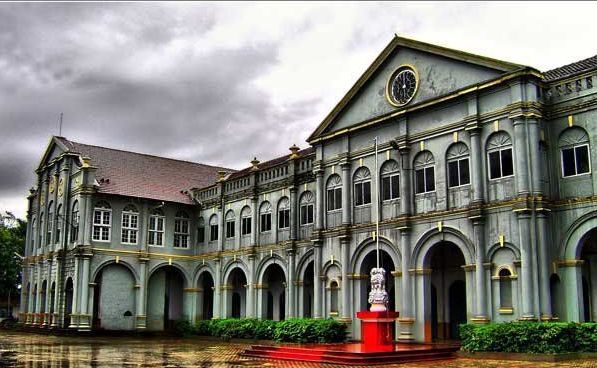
x=254, y=162
x=222, y=175
x=294, y=149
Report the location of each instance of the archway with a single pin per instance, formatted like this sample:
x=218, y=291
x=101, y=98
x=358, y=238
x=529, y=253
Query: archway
x=588, y=254
x=308, y=291
x=52, y=302
x=205, y=302
x=445, y=296
x=237, y=294
x=68, y=301
x=370, y=262
x=165, y=298
x=42, y=300
x=114, y=298
x=275, y=300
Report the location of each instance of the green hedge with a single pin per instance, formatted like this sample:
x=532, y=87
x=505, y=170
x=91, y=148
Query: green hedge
x=291, y=330
x=530, y=337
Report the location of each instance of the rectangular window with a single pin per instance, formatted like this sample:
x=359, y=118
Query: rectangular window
x=101, y=225
x=266, y=222
x=334, y=199
x=156, y=231
x=200, y=234
x=306, y=214
x=58, y=228
x=390, y=187
x=213, y=232
x=181, y=233
x=246, y=226
x=284, y=219
x=230, y=229
x=425, y=180
x=500, y=163
x=575, y=160
x=130, y=227
x=458, y=173
x=362, y=193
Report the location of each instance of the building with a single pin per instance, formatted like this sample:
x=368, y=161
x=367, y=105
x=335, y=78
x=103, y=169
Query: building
x=488, y=211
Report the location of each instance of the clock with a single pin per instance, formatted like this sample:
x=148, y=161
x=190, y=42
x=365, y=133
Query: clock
x=402, y=85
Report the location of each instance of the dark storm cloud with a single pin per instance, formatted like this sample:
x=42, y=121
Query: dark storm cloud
x=138, y=77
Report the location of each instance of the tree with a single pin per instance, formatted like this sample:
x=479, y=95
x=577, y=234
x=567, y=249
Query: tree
x=12, y=245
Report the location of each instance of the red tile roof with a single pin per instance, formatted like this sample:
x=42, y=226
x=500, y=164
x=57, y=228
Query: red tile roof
x=571, y=69
x=271, y=163
x=145, y=176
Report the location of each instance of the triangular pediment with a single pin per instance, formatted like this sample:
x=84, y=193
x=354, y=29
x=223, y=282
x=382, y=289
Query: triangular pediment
x=440, y=71
x=55, y=148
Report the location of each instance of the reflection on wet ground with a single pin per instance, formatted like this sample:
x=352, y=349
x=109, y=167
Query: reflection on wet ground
x=34, y=350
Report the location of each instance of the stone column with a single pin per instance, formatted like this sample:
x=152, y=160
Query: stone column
x=57, y=292
x=74, y=319
x=544, y=272
x=526, y=277
x=319, y=194
x=478, y=180
x=293, y=212
x=346, y=194
x=317, y=291
x=406, y=319
x=405, y=182
x=86, y=219
x=217, y=289
x=189, y=298
x=535, y=158
x=37, y=319
x=254, y=221
x=221, y=227
x=481, y=315
x=85, y=317
x=291, y=284
x=47, y=316
x=142, y=295
x=250, y=312
x=521, y=155
x=345, y=248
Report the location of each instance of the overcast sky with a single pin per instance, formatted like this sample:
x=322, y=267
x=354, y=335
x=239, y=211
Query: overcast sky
x=220, y=83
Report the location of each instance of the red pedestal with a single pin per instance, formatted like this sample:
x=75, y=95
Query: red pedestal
x=377, y=328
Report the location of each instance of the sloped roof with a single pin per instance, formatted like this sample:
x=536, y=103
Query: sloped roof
x=144, y=176
x=571, y=69
x=271, y=163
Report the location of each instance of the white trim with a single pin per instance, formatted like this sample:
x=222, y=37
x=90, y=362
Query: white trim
x=129, y=228
x=500, y=149
x=574, y=150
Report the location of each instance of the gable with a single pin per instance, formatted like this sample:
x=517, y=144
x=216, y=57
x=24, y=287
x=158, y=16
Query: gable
x=55, y=148
x=440, y=72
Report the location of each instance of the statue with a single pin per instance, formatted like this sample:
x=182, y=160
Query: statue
x=378, y=297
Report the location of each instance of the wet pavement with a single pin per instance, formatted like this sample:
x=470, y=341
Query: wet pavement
x=19, y=349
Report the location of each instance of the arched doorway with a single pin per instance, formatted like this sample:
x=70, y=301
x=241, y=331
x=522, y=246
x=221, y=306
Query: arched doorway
x=52, y=302
x=588, y=254
x=275, y=300
x=42, y=300
x=308, y=290
x=237, y=294
x=165, y=298
x=370, y=262
x=68, y=302
x=445, y=298
x=205, y=302
x=114, y=298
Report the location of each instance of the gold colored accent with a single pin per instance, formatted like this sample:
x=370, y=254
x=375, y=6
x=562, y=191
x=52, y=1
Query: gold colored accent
x=360, y=162
x=571, y=262
x=333, y=169
x=294, y=151
x=373, y=235
x=333, y=314
x=496, y=125
x=42, y=199
x=391, y=79
x=422, y=145
x=356, y=276
x=420, y=271
x=469, y=267
x=406, y=320
x=117, y=260
x=169, y=261
x=136, y=286
x=332, y=258
x=542, y=134
x=554, y=267
x=440, y=225
x=387, y=154
x=480, y=320
x=506, y=311
x=52, y=184
x=305, y=187
x=455, y=137
x=254, y=164
x=570, y=120
x=502, y=240
x=60, y=187
x=396, y=273
x=191, y=290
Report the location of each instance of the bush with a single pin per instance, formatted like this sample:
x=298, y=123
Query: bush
x=292, y=330
x=530, y=337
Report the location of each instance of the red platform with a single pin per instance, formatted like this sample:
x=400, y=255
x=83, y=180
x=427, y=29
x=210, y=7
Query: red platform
x=377, y=328
x=353, y=354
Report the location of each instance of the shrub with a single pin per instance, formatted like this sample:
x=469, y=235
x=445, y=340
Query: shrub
x=184, y=328
x=530, y=337
x=310, y=330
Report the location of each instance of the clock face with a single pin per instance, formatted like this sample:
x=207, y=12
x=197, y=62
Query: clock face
x=402, y=86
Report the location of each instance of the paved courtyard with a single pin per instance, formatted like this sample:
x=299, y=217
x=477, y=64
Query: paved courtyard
x=35, y=350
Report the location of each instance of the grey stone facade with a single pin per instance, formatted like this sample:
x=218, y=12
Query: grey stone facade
x=295, y=236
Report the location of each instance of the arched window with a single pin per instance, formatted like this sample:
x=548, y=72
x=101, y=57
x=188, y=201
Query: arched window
x=200, y=230
x=574, y=148
x=230, y=222
x=505, y=288
x=390, y=180
x=499, y=155
x=424, y=172
x=156, y=228
x=213, y=228
x=265, y=217
x=284, y=213
x=181, y=230
x=334, y=193
x=362, y=186
x=59, y=220
x=129, y=224
x=50, y=222
x=33, y=235
x=458, y=165
x=41, y=230
x=306, y=208
x=74, y=220
x=245, y=216
x=334, y=298
x=102, y=221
